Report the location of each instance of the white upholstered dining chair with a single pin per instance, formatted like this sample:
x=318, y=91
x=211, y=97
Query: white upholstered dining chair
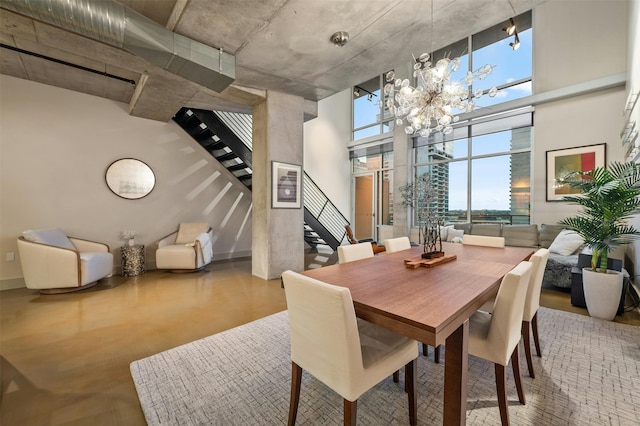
x=347, y=354
x=397, y=244
x=482, y=240
x=472, y=240
x=495, y=337
x=531, y=305
x=352, y=252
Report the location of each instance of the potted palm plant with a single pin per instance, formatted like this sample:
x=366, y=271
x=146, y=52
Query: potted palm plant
x=609, y=197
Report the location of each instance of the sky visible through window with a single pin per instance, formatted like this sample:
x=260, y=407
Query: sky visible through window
x=490, y=177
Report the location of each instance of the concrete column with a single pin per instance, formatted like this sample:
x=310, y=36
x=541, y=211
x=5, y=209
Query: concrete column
x=277, y=234
x=402, y=164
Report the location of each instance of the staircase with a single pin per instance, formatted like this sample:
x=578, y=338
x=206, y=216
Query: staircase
x=227, y=137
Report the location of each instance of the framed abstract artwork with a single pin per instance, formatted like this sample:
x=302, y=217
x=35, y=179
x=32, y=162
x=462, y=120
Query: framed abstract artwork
x=560, y=162
x=286, y=186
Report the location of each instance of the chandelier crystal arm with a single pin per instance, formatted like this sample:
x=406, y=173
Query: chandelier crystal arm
x=428, y=106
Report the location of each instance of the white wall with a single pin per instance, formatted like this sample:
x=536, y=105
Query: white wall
x=576, y=42
x=326, y=157
x=584, y=120
x=56, y=145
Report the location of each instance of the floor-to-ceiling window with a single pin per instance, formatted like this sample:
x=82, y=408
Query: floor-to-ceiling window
x=482, y=170
x=370, y=115
x=372, y=163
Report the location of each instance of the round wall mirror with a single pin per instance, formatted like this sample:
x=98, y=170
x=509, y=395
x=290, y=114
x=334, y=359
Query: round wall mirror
x=130, y=178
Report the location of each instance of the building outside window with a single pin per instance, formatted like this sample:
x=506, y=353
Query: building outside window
x=484, y=178
x=482, y=171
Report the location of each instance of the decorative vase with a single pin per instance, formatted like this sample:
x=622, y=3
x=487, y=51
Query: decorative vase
x=132, y=242
x=602, y=292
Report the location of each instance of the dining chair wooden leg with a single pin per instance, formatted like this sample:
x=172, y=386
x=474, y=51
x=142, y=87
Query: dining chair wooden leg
x=411, y=386
x=296, y=381
x=436, y=352
x=501, y=386
x=396, y=376
x=526, y=332
x=536, y=340
x=350, y=412
x=515, y=365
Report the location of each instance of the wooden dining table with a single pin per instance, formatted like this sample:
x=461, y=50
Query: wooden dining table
x=429, y=304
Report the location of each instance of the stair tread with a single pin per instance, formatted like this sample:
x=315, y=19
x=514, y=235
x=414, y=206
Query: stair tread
x=205, y=135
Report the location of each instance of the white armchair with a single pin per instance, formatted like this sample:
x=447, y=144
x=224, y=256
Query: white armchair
x=54, y=263
x=188, y=249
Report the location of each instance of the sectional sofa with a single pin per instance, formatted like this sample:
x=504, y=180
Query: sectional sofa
x=558, y=270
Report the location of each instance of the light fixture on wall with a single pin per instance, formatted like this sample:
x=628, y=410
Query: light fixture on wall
x=357, y=90
x=515, y=44
x=511, y=30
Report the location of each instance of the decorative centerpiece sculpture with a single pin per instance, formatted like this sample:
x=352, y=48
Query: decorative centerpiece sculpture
x=421, y=195
x=431, y=241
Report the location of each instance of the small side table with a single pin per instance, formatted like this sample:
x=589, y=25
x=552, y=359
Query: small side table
x=132, y=260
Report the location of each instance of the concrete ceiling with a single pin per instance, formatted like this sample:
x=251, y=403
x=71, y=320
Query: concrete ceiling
x=281, y=45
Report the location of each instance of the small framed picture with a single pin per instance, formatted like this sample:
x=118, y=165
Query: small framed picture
x=286, y=185
x=561, y=162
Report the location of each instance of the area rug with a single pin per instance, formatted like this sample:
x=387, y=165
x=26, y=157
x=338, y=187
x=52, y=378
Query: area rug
x=589, y=374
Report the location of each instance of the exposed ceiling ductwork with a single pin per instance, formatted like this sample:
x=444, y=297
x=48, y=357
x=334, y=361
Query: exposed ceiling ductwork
x=112, y=23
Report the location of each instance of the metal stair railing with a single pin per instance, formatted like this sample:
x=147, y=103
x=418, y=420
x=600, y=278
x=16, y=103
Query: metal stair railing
x=324, y=211
x=227, y=137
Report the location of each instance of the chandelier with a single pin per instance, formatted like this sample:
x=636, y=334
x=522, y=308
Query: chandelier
x=429, y=106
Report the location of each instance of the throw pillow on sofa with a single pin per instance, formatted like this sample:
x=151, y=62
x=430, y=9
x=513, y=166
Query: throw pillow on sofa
x=566, y=243
x=455, y=235
x=444, y=232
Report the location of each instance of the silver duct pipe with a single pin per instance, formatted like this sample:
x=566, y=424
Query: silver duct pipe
x=112, y=23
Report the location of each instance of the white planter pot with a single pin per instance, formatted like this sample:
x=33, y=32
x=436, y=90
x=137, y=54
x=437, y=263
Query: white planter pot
x=602, y=292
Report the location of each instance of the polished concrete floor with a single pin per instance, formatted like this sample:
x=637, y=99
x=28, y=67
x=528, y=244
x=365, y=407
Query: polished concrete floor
x=65, y=358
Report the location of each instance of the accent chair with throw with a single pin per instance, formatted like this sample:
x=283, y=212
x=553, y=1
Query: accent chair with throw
x=188, y=249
